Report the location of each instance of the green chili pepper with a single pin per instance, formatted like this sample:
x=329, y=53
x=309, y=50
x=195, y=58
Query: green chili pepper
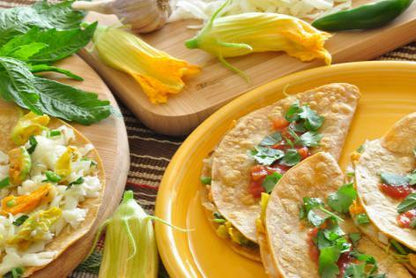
x=363, y=17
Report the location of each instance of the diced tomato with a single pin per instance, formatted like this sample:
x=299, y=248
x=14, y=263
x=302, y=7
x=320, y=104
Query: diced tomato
x=258, y=172
x=255, y=189
x=280, y=168
x=344, y=260
x=304, y=152
x=396, y=192
x=313, y=249
x=406, y=218
x=280, y=146
x=280, y=123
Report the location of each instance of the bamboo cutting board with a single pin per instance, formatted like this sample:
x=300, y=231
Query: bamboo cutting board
x=216, y=85
x=110, y=139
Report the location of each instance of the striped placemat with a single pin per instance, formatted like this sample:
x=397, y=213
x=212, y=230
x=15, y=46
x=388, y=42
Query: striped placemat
x=150, y=154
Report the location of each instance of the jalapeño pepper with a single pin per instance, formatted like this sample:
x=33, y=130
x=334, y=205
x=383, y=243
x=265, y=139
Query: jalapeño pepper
x=363, y=17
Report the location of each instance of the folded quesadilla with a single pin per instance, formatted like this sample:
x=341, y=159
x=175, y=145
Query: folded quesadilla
x=305, y=230
x=262, y=146
x=51, y=186
x=385, y=178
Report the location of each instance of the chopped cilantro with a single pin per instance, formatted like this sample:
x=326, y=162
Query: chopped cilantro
x=355, y=237
x=360, y=149
x=16, y=272
x=19, y=221
x=341, y=200
x=32, y=144
x=291, y=157
x=205, y=180
x=292, y=114
x=270, y=181
x=362, y=218
x=266, y=156
x=310, y=139
x=297, y=127
x=271, y=139
x=54, y=133
x=328, y=258
x=312, y=120
x=4, y=182
x=407, y=204
x=393, y=179
x=307, y=210
x=78, y=181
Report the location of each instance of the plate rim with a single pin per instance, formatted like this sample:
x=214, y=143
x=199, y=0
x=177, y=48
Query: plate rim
x=171, y=261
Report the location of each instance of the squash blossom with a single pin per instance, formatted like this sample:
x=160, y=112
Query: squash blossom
x=242, y=34
x=158, y=73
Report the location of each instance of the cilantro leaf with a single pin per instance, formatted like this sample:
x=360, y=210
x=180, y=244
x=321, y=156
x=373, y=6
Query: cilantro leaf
x=328, y=258
x=394, y=179
x=312, y=120
x=315, y=219
x=291, y=157
x=407, y=204
x=362, y=218
x=355, y=271
x=16, y=272
x=310, y=139
x=270, y=181
x=19, y=221
x=292, y=114
x=307, y=209
x=271, y=139
x=32, y=144
x=266, y=156
x=341, y=200
x=297, y=127
x=355, y=238
x=4, y=183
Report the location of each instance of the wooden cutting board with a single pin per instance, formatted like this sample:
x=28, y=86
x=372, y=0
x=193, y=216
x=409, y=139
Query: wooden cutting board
x=110, y=139
x=216, y=85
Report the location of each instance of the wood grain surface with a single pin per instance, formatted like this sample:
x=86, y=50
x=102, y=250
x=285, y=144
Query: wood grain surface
x=216, y=85
x=110, y=139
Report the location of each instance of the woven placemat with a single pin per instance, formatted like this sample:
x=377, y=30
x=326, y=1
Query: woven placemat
x=150, y=154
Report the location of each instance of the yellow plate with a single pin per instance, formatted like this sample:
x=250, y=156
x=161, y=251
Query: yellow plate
x=388, y=93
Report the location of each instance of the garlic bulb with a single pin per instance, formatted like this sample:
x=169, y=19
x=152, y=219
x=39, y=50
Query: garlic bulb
x=143, y=16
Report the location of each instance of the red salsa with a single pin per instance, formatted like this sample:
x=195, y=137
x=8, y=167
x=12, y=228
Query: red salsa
x=396, y=192
x=404, y=219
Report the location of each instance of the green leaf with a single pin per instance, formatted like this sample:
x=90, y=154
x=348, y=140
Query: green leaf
x=362, y=218
x=69, y=103
x=292, y=114
x=310, y=203
x=291, y=157
x=271, y=139
x=407, y=204
x=16, y=272
x=270, y=181
x=52, y=176
x=321, y=240
x=46, y=68
x=17, y=84
x=21, y=52
x=265, y=155
x=19, y=221
x=53, y=44
x=315, y=219
x=328, y=258
x=355, y=238
x=333, y=233
x=4, y=183
x=367, y=259
x=412, y=177
x=341, y=200
x=43, y=15
x=32, y=144
x=78, y=181
x=355, y=271
x=297, y=127
x=312, y=120
x=310, y=139
x=393, y=179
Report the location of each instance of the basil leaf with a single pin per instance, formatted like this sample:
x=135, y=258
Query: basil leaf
x=19, y=20
x=312, y=120
x=4, y=183
x=19, y=221
x=407, y=204
x=310, y=139
x=393, y=179
x=266, y=156
x=362, y=218
x=341, y=200
x=328, y=259
x=270, y=181
x=32, y=144
x=54, y=45
x=271, y=139
x=17, y=84
x=291, y=158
